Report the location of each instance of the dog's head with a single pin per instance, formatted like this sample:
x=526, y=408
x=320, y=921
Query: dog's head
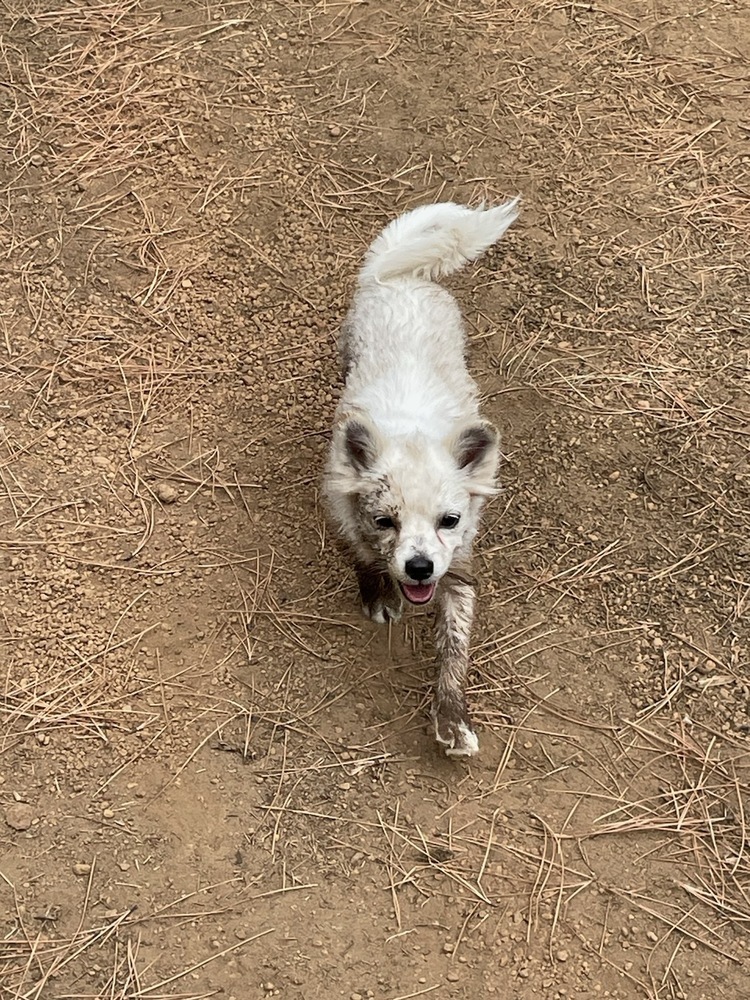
x=415, y=501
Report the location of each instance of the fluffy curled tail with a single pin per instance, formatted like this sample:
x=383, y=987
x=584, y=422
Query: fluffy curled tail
x=435, y=240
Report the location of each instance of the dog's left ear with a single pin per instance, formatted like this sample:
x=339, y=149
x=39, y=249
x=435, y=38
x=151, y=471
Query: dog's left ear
x=476, y=450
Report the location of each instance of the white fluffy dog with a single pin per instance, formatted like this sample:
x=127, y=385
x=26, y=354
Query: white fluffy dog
x=411, y=461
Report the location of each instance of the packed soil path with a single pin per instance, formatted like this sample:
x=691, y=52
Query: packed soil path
x=216, y=778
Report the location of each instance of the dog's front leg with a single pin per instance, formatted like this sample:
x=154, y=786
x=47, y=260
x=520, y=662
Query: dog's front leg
x=453, y=727
x=381, y=600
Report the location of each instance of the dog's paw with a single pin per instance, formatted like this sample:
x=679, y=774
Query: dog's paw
x=383, y=612
x=456, y=736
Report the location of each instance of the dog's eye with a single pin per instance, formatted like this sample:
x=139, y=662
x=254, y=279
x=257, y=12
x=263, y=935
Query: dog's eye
x=450, y=520
x=384, y=523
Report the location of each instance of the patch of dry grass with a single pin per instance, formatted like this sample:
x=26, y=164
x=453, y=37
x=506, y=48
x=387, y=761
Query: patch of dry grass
x=33, y=957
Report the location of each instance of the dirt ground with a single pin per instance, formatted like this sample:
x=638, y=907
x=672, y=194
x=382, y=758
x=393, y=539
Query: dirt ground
x=215, y=777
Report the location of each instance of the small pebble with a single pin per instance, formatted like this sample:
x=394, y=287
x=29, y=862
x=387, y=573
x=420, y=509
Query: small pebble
x=82, y=868
x=562, y=955
x=19, y=816
x=166, y=492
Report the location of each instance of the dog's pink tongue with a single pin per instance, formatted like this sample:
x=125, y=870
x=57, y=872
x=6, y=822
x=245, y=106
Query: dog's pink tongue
x=418, y=593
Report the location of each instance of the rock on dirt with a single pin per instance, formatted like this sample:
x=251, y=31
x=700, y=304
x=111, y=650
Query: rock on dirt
x=166, y=492
x=19, y=816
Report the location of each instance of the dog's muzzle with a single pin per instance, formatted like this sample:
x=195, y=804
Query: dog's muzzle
x=419, y=569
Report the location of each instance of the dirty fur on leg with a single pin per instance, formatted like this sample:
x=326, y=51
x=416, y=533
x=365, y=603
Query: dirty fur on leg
x=381, y=600
x=411, y=462
x=450, y=713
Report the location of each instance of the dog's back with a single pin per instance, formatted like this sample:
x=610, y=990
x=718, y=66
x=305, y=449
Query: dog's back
x=403, y=342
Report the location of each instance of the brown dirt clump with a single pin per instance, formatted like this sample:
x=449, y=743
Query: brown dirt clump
x=215, y=777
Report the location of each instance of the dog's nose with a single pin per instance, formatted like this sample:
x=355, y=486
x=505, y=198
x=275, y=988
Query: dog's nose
x=419, y=567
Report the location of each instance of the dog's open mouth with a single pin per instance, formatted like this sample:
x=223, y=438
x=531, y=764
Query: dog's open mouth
x=418, y=593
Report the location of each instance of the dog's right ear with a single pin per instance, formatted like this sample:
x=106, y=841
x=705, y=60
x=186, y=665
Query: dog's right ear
x=359, y=444
x=476, y=449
